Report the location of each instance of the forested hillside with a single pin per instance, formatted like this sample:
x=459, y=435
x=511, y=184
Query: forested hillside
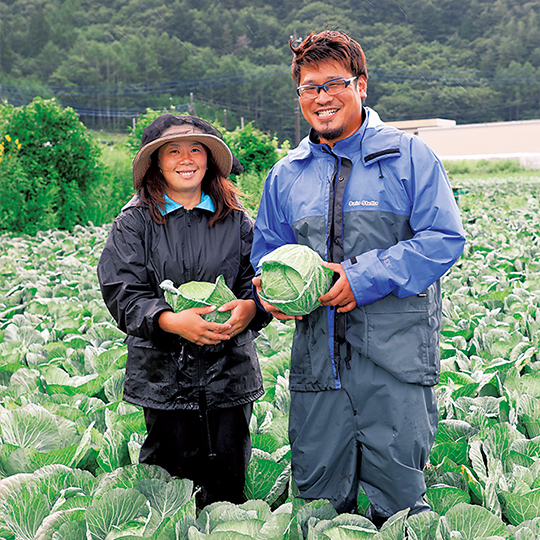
x=468, y=60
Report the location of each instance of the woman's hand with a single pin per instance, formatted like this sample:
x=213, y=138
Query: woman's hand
x=269, y=307
x=242, y=313
x=191, y=326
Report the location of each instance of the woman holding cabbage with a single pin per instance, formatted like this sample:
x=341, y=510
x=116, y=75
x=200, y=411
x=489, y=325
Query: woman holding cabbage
x=196, y=378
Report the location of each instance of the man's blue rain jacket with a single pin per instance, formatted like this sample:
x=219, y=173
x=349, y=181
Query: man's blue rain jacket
x=379, y=202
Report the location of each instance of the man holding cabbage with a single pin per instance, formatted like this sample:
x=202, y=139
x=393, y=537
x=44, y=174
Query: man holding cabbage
x=375, y=204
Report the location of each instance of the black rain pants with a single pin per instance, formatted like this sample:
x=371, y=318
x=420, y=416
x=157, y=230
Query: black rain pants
x=212, y=448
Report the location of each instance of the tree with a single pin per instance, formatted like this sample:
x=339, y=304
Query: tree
x=56, y=159
x=234, y=55
x=38, y=32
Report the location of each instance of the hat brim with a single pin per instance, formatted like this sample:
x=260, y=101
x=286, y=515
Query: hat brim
x=221, y=154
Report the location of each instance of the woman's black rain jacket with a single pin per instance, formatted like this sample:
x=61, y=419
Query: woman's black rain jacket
x=165, y=371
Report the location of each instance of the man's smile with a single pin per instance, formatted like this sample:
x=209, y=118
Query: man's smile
x=326, y=112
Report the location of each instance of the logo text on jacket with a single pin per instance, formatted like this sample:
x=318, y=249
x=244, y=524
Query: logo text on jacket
x=363, y=203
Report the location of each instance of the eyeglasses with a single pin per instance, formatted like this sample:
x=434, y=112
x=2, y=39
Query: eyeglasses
x=332, y=88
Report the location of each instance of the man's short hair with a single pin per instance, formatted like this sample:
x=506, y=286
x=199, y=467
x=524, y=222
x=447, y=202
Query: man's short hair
x=328, y=45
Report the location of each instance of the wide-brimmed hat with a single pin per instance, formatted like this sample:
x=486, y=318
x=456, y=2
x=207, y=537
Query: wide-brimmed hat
x=171, y=127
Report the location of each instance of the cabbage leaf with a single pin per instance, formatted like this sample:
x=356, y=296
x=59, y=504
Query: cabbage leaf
x=199, y=294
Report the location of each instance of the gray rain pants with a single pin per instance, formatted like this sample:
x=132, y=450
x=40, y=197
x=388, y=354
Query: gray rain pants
x=376, y=431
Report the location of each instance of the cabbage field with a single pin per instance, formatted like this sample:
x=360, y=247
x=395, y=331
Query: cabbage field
x=69, y=445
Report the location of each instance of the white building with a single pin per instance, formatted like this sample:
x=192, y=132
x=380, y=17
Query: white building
x=496, y=140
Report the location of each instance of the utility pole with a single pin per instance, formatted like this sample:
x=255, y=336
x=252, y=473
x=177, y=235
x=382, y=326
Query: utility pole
x=191, y=105
x=225, y=119
x=296, y=41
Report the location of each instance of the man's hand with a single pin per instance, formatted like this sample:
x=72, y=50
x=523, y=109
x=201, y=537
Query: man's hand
x=340, y=295
x=269, y=307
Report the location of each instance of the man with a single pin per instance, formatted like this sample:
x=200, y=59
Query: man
x=376, y=204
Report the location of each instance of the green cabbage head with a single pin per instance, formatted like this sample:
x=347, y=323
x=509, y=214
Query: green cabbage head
x=293, y=278
x=199, y=294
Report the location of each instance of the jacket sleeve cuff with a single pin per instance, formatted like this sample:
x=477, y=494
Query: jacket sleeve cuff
x=262, y=317
x=365, y=274
x=257, y=299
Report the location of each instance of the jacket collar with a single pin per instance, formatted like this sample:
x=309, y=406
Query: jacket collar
x=363, y=140
x=170, y=205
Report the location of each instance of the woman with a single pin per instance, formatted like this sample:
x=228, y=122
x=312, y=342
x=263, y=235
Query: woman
x=196, y=380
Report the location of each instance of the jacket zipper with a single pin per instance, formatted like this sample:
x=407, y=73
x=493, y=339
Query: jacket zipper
x=335, y=243
x=191, y=259
x=203, y=404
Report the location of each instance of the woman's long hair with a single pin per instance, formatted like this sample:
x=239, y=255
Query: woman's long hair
x=222, y=191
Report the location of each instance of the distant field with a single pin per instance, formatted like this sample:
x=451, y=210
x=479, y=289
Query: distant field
x=104, y=137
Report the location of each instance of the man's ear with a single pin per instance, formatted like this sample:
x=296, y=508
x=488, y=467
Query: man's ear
x=361, y=84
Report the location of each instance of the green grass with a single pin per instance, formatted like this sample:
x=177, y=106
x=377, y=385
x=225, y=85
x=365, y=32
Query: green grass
x=107, y=138
x=113, y=187
x=484, y=167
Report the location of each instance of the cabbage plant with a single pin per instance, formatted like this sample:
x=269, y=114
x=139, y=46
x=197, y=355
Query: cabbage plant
x=200, y=294
x=69, y=445
x=293, y=278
